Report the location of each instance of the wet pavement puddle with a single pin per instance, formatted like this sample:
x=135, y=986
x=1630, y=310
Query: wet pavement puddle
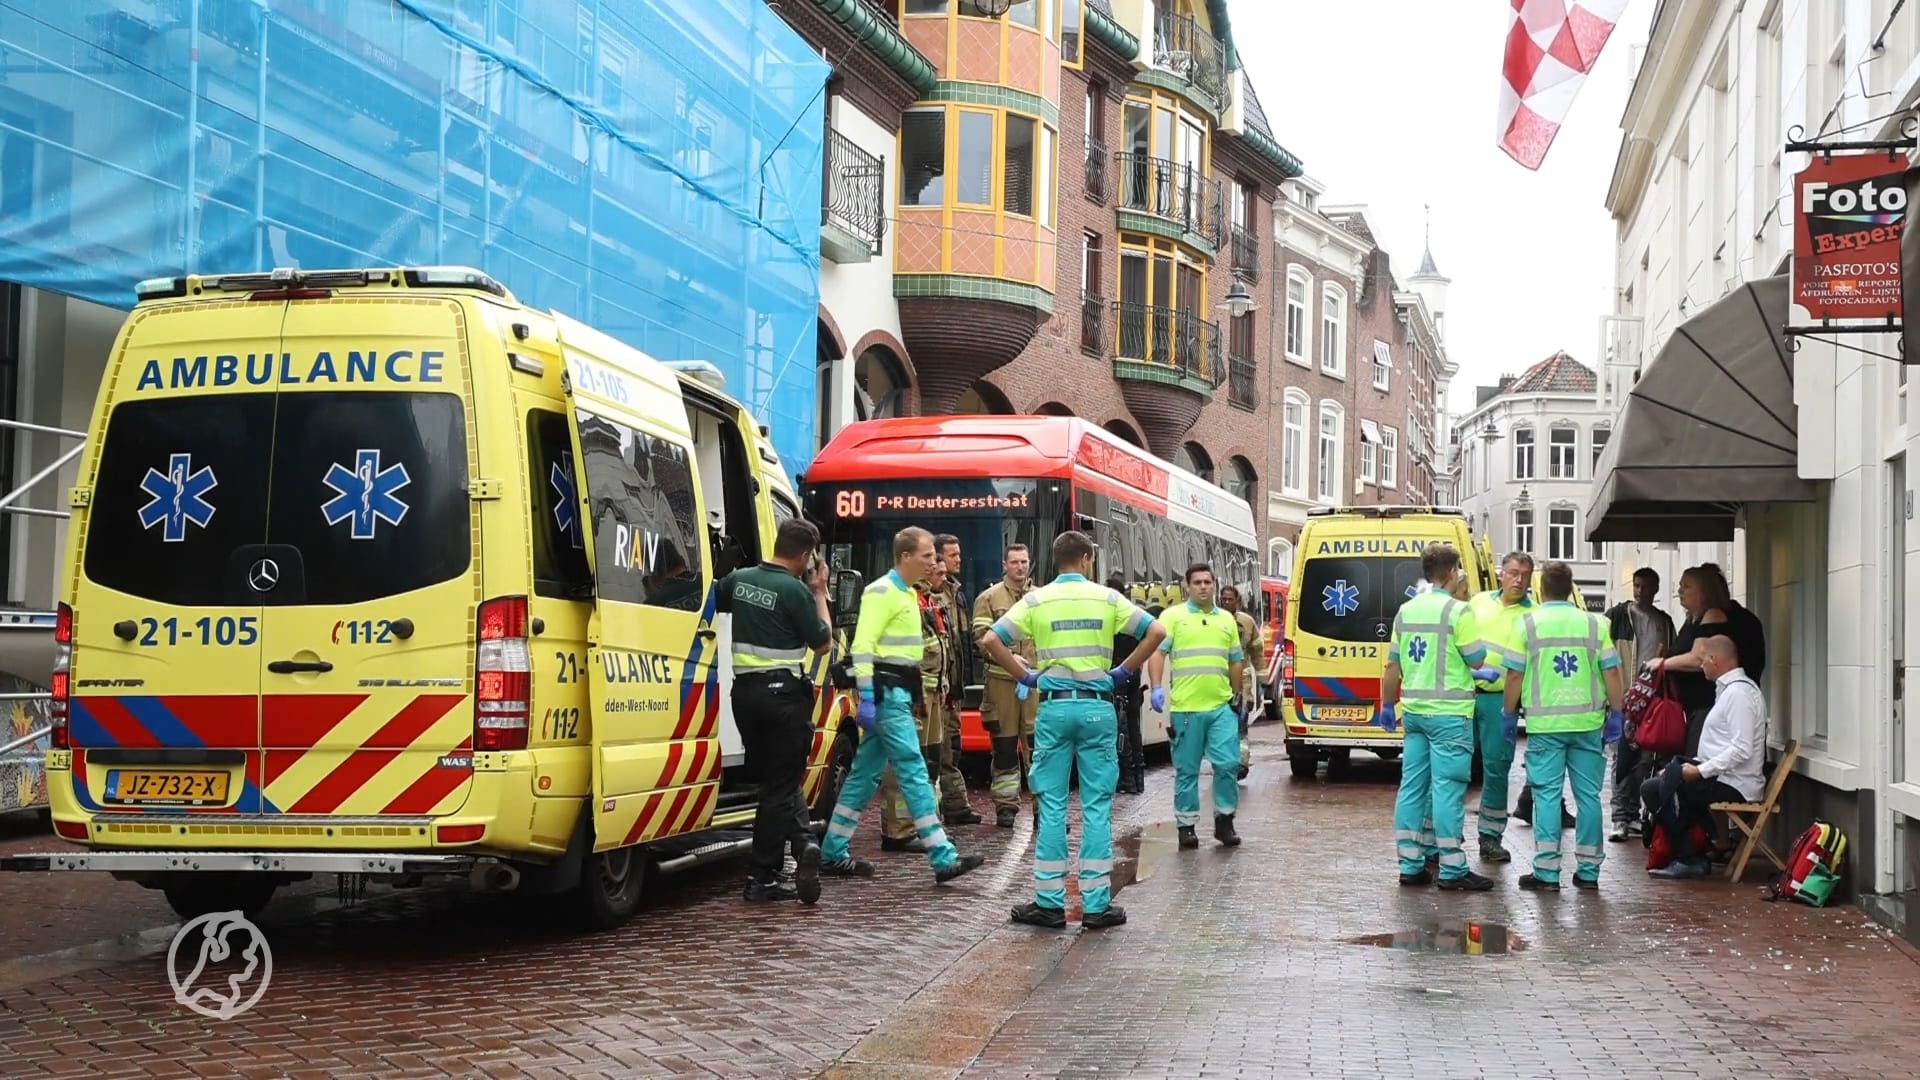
x=1452, y=937
x=1136, y=857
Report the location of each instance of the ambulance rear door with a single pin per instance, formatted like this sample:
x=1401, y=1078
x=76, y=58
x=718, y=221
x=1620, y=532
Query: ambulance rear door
x=371, y=568
x=164, y=708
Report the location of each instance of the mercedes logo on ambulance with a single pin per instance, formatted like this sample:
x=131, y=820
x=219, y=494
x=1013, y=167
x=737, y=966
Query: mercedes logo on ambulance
x=263, y=576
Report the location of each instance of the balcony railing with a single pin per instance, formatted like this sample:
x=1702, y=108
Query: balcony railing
x=1246, y=253
x=1093, y=318
x=1179, y=341
x=1240, y=391
x=1183, y=47
x=1097, y=172
x=1179, y=193
x=853, y=191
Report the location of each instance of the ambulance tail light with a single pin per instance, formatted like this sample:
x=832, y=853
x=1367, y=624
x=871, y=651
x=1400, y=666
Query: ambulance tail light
x=1286, y=668
x=503, y=676
x=62, y=681
x=291, y=294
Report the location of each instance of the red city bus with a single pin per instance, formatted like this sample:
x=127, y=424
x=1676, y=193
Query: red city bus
x=998, y=480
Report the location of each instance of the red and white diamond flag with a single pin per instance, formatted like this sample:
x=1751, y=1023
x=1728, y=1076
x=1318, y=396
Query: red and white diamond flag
x=1551, y=45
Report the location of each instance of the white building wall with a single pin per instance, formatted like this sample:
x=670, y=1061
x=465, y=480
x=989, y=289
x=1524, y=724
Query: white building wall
x=1833, y=580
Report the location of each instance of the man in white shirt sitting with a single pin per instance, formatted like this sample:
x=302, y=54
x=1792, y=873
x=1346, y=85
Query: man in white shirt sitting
x=1733, y=747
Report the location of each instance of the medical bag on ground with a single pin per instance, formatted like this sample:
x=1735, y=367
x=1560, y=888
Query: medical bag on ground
x=1813, y=866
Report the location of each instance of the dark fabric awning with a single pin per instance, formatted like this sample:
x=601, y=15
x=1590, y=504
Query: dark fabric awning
x=1710, y=425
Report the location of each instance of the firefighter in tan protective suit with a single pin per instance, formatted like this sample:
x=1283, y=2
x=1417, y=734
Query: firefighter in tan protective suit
x=1246, y=696
x=1007, y=717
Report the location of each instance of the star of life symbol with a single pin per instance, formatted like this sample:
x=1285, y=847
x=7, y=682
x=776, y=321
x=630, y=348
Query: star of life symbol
x=1340, y=598
x=1566, y=665
x=566, y=507
x=215, y=938
x=1417, y=649
x=365, y=494
x=179, y=496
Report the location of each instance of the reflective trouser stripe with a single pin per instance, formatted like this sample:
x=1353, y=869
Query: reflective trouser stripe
x=1408, y=844
x=929, y=830
x=1450, y=853
x=844, y=821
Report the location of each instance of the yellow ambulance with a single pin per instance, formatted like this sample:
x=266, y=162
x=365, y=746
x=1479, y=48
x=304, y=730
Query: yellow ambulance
x=1353, y=568
x=381, y=572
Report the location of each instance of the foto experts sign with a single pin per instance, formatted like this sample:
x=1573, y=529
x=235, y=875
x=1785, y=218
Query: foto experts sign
x=1849, y=213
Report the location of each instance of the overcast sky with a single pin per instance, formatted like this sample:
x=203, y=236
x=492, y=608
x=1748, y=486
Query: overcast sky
x=1394, y=104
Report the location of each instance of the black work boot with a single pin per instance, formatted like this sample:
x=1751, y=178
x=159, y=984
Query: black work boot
x=760, y=892
x=1047, y=918
x=1223, y=830
x=1115, y=915
x=1468, y=882
x=966, y=865
x=906, y=843
x=967, y=816
x=1187, y=837
x=1005, y=816
x=1534, y=884
x=1424, y=876
x=806, y=874
x=847, y=867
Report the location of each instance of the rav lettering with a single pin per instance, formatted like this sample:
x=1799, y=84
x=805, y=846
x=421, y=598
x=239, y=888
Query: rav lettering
x=264, y=369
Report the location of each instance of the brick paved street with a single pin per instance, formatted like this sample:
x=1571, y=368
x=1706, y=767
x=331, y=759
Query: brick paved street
x=1234, y=964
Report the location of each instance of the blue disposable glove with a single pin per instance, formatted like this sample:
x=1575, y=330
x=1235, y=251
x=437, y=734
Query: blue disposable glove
x=1159, y=697
x=1510, y=725
x=1384, y=719
x=866, y=714
x=1486, y=673
x=1616, y=726
x=1120, y=675
x=1025, y=684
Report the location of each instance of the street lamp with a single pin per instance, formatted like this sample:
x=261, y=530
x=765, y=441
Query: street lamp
x=991, y=8
x=1490, y=434
x=1525, y=499
x=1239, y=300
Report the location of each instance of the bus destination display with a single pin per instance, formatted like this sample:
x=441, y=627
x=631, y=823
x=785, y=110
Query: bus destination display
x=900, y=499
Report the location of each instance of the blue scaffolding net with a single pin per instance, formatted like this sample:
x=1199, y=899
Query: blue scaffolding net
x=649, y=167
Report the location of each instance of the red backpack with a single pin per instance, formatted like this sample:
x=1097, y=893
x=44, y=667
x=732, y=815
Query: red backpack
x=1813, y=866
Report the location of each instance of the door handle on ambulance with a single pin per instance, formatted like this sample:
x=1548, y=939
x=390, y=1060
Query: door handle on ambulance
x=289, y=667
x=708, y=633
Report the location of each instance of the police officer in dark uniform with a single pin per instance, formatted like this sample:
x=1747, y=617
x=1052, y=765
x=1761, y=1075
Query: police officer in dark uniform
x=779, y=615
